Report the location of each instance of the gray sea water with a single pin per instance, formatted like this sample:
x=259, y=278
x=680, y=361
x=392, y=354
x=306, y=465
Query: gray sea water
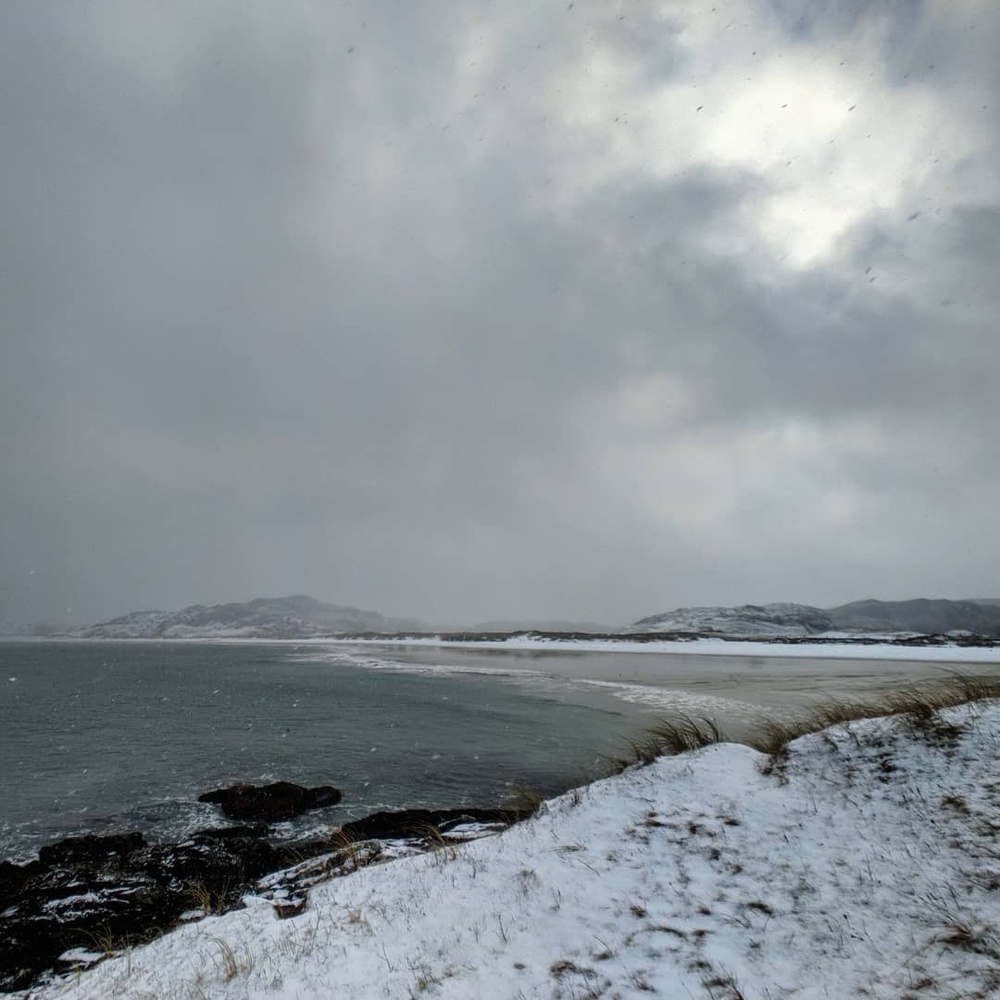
x=105, y=736
x=102, y=737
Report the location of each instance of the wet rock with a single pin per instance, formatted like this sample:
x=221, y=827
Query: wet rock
x=270, y=803
x=90, y=849
x=257, y=830
x=289, y=908
x=100, y=894
x=409, y=823
x=109, y=892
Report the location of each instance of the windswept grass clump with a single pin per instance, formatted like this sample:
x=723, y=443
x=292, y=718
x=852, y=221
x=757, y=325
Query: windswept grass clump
x=353, y=854
x=919, y=703
x=522, y=801
x=668, y=738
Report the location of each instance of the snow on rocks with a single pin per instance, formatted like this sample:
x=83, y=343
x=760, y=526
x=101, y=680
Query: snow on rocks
x=862, y=863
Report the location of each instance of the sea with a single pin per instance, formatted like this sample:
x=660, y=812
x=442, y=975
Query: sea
x=103, y=737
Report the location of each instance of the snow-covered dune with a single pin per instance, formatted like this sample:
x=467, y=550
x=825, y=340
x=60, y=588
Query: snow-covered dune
x=863, y=864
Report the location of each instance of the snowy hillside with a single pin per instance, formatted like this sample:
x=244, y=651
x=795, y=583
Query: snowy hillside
x=862, y=863
x=748, y=620
x=921, y=616
x=271, y=618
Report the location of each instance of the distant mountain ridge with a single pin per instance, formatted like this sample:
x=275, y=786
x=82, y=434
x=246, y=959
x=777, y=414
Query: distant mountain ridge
x=302, y=617
x=296, y=617
x=922, y=615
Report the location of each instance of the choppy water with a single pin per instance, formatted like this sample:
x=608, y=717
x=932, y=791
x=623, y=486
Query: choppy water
x=111, y=736
x=100, y=736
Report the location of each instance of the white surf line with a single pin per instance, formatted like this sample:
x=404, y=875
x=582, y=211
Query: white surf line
x=401, y=666
x=707, y=647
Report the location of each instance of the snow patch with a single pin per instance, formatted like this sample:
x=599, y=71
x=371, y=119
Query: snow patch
x=861, y=864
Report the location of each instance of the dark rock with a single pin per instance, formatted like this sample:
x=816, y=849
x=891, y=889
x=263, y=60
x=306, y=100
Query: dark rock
x=108, y=893
x=216, y=833
x=90, y=849
x=270, y=803
x=119, y=890
x=408, y=823
x=12, y=879
x=284, y=910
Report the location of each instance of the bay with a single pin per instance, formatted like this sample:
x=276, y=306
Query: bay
x=104, y=737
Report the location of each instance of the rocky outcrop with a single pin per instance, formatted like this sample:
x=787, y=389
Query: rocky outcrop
x=90, y=896
x=270, y=803
x=410, y=823
x=95, y=893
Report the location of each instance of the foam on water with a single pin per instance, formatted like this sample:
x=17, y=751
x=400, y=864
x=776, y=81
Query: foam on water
x=109, y=737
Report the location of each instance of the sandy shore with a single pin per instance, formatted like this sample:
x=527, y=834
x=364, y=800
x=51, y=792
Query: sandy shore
x=750, y=681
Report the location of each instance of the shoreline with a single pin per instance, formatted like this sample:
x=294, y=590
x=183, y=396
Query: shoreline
x=834, y=649
x=856, y=859
x=922, y=648
x=121, y=889
x=124, y=890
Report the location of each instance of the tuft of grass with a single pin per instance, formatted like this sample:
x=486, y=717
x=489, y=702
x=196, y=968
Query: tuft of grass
x=442, y=847
x=353, y=854
x=357, y=918
x=230, y=963
x=424, y=978
x=202, y=896
x=667, y=738
x=103, y=940
x=956, y=803
x=920, y=704
x=523, y=801
x=562, y=967
x=686, y=733
x=981, y=939
x=723, y=986
x=772, y=737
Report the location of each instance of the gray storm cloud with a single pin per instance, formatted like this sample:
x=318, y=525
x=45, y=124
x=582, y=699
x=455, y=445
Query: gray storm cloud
x=580, y=310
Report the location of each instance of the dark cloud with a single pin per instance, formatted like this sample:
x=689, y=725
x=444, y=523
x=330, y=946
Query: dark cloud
x=472, y=315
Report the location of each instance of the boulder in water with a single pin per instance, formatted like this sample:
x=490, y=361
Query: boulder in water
x=270, y=803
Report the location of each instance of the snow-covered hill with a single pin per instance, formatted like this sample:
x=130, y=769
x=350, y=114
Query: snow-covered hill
x=747, y=620
x=267, y=618
x=859, y=864
x=921, y=616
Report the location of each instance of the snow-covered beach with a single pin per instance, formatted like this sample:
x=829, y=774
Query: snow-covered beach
x=878, y=648
x=737, y=683
x=862, y=863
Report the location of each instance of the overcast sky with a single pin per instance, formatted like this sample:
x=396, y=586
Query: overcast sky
x=465, y=310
